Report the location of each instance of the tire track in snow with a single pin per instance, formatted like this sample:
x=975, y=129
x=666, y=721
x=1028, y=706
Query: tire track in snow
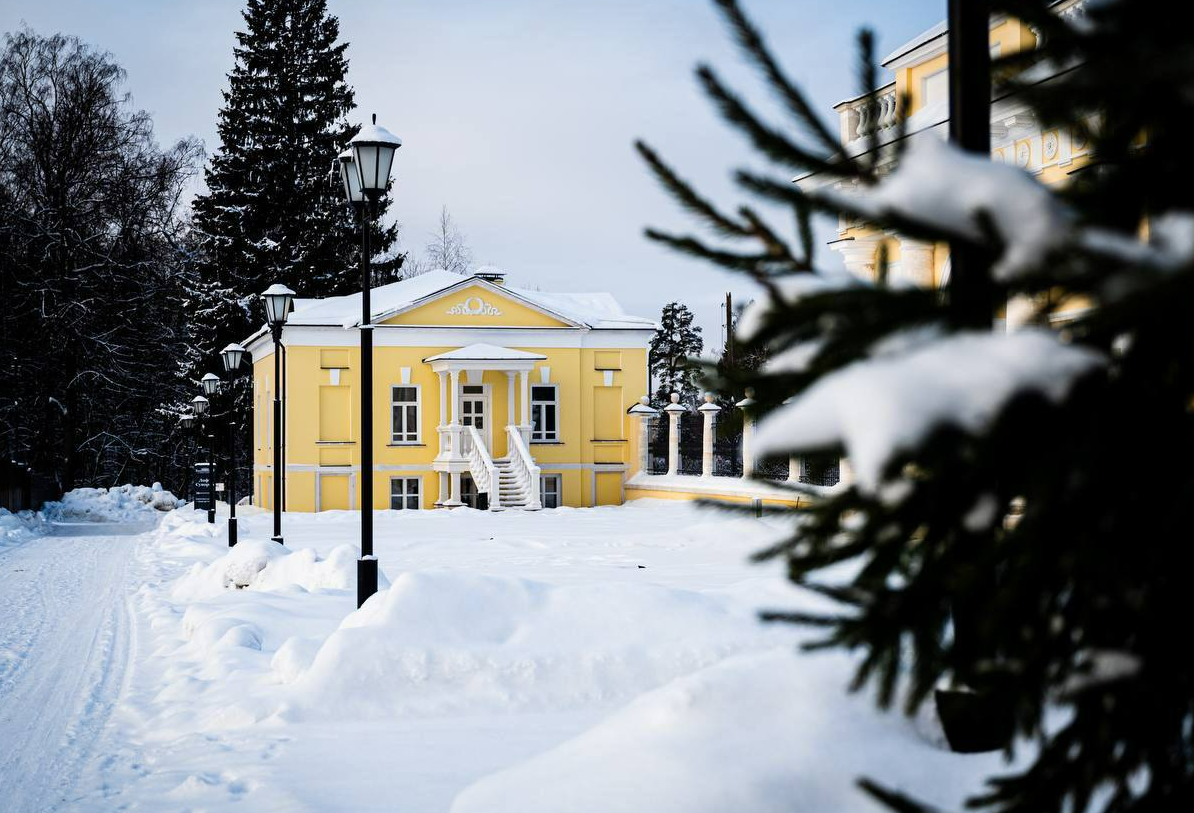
x=64, y=653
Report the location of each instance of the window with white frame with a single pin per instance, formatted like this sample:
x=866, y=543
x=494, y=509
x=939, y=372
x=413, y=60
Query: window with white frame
x=405, y=410
x=545, y=413
x=550, y=490
x=404, y=493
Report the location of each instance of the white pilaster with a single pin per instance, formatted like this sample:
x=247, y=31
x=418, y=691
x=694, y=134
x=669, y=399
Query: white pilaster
x=916, y=263
x=709, y=411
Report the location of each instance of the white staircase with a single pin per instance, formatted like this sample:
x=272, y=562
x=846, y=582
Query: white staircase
x=513, y=489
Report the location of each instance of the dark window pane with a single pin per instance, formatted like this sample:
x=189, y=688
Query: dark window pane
x=543, y=393
x=411, y=420
x=405, y=394
x=412, y=502
x=550, y=412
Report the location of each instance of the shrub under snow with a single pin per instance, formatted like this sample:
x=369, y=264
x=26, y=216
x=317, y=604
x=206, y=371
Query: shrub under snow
x=126, y=503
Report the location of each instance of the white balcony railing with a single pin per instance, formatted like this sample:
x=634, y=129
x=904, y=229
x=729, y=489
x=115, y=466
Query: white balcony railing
x=526, y=473
x=861, y=115
x=482, y=468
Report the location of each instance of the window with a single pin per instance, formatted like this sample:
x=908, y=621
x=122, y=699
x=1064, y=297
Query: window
x=935, y=87
x=545, y=408
x=405, y=409
x=404, y=493
x=550, y=490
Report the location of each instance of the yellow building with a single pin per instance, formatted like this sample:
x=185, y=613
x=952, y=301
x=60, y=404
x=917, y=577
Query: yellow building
x=479, y=388
x=919, y=74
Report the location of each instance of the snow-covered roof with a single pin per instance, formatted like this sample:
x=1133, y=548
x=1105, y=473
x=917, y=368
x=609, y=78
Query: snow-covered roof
x=594, y=310
x=917, y=41
x=485, y=352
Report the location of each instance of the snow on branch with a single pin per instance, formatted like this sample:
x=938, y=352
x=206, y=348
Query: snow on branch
x=950, y=192
x=890, y=402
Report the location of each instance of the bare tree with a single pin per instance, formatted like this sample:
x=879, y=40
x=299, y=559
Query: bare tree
x=447, y=248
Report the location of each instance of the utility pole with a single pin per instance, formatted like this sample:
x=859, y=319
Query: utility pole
x=730, y=329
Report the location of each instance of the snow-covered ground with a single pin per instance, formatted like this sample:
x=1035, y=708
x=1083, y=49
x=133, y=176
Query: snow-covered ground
x=602, y=659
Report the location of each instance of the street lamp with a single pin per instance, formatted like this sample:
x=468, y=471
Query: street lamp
x=187, y=422
x=365, y=173
x=232, y=355
x=211, y=385
x=200, y=405
x=277, y=299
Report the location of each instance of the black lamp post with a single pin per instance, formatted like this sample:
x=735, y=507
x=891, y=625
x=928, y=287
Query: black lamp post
x=211, y=385
x=365, y=172
x=277, y=299
x=199, y=405
x=187, y=422
x=232, y=355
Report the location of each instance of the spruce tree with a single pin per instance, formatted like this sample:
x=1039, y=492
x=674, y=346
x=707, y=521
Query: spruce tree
x=272, y=212
x=675, y=344
x=1038, y=474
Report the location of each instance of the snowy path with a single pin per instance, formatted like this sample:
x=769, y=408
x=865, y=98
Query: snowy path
x=64, y=655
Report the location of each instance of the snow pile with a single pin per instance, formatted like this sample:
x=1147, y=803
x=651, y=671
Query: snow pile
x=449, y=641
x=883, y=405
x=19, y=527
x=763, y=732
x=260, y=564
x=127, y=503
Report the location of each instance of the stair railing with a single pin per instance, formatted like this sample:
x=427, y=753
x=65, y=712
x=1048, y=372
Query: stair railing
x=524, y=468
x=482, y=468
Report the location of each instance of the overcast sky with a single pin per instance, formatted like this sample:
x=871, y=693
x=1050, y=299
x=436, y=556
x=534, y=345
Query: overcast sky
x=520, y=115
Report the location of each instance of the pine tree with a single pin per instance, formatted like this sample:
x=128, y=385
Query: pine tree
x=1039, y=490
x=673, y=350
x=271, y=212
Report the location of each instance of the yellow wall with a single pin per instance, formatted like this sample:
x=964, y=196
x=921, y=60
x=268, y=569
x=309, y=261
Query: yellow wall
x=323, y=420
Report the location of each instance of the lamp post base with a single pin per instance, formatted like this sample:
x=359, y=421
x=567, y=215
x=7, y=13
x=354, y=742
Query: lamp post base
x=211, y=515
x=366, y=579
x=232, y=532
x=277, y=539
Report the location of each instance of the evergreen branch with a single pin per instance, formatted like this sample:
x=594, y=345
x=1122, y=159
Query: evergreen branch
x=896, y=801
x=757, y=265
x=687, y=196
x=770, y=142
x=752, y=44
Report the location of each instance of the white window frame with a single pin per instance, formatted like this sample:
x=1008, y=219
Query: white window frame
x=558, y=480
x=418, y=403
x=543, y=436
x=405, y=493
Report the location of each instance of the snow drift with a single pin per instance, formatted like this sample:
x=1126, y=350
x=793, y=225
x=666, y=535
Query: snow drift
x=449, y=641
x=126, y=503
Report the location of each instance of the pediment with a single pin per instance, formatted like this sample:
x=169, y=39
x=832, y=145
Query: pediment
x=474, y=303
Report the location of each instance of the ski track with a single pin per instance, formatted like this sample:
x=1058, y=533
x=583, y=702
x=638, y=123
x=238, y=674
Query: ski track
x=65, y=648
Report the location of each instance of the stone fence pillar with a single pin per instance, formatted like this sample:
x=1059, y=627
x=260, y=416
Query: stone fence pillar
x=709, y=410
x=748, y=430
x=674, y=411
x=643, y=413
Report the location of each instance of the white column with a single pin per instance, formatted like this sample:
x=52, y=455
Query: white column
x=524, y=381
x=443, y=398
x=674, y=411
x=443, y=488
x=748, y=431
x=510, y=397
x=859, y=255
x=709, y=410
x=455, y=398
x=453, y=490
x=845, y=473
x=795, y=464
x=916, y=263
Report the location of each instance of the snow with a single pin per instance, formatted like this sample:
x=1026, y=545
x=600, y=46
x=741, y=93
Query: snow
x=789, y=290
x=568, y=659
x=927, y=188
x=20, y=527
x=882, y=405
x=127, y=503
x=596, y=310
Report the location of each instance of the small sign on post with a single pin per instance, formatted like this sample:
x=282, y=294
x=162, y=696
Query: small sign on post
x=219, y=488
x=202, y=499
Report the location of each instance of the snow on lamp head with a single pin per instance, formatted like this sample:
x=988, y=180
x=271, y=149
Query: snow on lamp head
x=199, y=404
x=232, y=356
x=373, y=151
x=277, y=299
x=186, y=420
x=210, y=384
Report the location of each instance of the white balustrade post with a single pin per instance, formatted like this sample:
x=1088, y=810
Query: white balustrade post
x=748, y=431
x=709, y=411
x=643, y=413
x=674, y=411
x=795, y=465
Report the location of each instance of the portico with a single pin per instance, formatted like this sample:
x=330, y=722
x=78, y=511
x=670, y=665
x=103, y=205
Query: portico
x=466, y=417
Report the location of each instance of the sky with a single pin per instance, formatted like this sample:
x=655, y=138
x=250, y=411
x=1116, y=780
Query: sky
x=520, y=116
